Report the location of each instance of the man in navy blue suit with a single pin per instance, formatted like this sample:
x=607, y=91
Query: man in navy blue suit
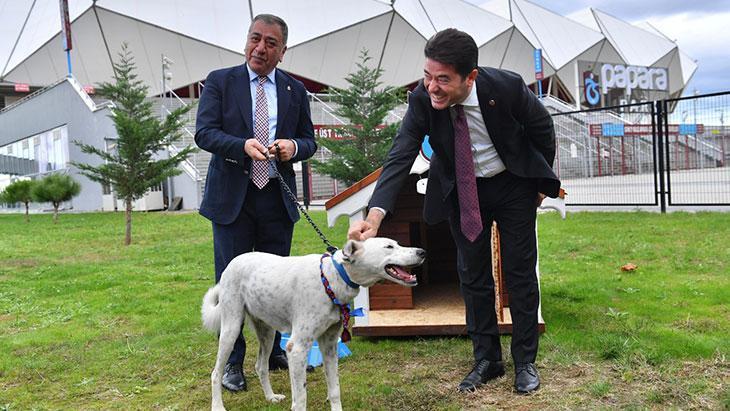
x=248, y=115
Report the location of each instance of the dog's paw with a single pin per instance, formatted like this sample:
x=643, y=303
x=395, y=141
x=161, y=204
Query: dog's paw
x=276, y=397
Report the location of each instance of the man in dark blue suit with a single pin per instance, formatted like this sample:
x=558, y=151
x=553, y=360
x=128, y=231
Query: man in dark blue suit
x=248, y=115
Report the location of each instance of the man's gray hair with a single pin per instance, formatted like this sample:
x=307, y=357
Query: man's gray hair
x=272, y=19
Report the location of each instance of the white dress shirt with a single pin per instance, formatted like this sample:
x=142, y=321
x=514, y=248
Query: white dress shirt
x=486, y=159
x=271, y=105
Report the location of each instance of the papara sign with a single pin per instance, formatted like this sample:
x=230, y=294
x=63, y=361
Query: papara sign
x=633, y=77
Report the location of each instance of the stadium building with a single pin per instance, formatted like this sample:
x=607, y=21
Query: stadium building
x=590, y=59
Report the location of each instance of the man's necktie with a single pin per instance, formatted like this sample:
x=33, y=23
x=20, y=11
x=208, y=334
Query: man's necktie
x=260, y=169
x=466, y=182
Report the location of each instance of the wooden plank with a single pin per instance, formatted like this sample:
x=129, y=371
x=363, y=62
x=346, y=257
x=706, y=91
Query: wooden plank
x=416, y=330
x=389, y=296
x=391, y=303
x=437, y=310
x=390, y=290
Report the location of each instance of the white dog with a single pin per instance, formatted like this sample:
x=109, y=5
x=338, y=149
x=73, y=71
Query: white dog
x=287, y=294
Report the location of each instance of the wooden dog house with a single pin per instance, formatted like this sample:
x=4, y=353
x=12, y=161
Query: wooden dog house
x=435, y=305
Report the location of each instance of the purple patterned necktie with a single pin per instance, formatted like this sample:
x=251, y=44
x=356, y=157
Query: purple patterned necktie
x=260, y=169
x=466, y=182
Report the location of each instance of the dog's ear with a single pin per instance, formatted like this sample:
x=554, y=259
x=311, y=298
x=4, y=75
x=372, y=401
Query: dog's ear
x=348, y=251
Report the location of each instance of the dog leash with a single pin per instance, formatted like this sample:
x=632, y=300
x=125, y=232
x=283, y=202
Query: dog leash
x=330, y=248
x=345, y=312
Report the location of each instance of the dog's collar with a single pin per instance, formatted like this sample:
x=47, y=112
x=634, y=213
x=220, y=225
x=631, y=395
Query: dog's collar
x=344, y=308
x=343, y=273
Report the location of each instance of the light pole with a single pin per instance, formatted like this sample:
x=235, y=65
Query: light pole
x=721, y=135
x=698, y=155
x=166, y=76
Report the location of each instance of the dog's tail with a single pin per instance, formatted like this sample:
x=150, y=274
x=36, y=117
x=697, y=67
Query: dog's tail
x=211, y=311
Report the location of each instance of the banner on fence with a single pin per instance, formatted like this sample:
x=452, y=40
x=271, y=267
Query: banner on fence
x=620, y=129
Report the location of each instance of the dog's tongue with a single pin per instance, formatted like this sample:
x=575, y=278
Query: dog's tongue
x=402, y=274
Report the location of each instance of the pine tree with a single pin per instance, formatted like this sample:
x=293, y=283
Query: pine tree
x=136, y=165
x=18, y=192
x=55, y=189
x=366, y=139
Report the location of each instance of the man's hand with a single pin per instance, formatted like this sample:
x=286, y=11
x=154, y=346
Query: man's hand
x=285, y=151
x=362, y=230
x=256, y=150
x=538, y=201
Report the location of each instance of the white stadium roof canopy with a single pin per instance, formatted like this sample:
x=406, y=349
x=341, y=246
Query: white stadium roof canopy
x=325, y=38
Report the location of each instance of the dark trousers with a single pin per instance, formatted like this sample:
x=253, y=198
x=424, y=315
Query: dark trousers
x=262, y=225
x=509, y=200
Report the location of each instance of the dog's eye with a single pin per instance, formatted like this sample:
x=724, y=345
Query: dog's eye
x=389, y=246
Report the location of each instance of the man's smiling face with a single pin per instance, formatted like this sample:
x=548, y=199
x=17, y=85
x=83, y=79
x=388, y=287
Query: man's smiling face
x=444, y=85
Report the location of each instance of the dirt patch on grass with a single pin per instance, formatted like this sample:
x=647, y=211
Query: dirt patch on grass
x=86, y=258
x=689, y=385
x=605, y=384
x=20, y=263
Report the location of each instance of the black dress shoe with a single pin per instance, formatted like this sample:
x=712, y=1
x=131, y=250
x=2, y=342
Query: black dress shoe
x=526, y=377
x=233, y=378
x=483, y=371
x=278, y=362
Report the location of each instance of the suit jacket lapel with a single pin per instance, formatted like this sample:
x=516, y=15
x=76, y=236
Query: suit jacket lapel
x=283, y=98
x=489, y=106
x=241, y=90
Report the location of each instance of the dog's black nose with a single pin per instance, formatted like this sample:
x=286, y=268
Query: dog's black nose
x=421, y=253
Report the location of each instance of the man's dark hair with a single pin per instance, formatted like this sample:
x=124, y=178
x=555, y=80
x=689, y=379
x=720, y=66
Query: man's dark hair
x=453, y=47
x=271, y=19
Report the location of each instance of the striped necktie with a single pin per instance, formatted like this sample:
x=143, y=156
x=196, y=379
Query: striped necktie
x=260, y=169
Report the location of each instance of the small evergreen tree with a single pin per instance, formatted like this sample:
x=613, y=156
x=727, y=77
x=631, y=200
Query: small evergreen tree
x=366, y=139
x=18, y=191
x=132, y=169
x=55, y=189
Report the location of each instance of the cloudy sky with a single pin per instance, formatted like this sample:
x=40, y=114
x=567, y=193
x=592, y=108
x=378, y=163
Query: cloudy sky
x=701, y=28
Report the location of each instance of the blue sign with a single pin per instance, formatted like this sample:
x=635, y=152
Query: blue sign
x=687, y=129
x=538, y=64
x=613, y=129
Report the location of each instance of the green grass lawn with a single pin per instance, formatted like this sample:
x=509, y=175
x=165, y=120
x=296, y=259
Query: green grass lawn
x=86, y=323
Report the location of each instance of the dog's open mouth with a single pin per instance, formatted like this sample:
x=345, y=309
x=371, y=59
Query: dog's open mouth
x=400, y=274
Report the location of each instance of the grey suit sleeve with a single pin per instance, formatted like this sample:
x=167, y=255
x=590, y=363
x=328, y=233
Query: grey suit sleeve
x=400, y=158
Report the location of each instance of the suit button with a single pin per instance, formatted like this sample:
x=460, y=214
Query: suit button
x=492, y=103
x=245, y=172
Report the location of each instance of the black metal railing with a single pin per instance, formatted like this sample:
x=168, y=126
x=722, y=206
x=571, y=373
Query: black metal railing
x=668, y=152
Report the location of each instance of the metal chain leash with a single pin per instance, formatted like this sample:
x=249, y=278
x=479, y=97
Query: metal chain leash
x=330, y=248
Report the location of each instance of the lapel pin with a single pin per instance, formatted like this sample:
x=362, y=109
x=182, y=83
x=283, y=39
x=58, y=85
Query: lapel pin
x=492, y=103
x=288, y=88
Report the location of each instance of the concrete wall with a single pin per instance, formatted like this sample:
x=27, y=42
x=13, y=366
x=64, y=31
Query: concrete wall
x=54, y=107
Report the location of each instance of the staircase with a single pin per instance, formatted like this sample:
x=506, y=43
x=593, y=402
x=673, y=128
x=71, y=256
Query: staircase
x=196, y=166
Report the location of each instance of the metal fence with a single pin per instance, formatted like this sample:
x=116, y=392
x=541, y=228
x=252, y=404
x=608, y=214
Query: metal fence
x=696, y=158
x=606, y=156
x=669, y=152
